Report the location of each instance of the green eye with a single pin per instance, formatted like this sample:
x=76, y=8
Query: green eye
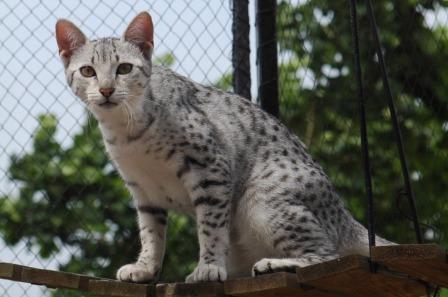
x=124, y=68
x=87, y=71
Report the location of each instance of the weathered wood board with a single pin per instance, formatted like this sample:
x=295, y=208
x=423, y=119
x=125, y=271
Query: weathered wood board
x=190, y=290
x=351, y=276
x=120, y=289
x=49, y=278
x=272, y=285
x=399, y=274
x=427, y=262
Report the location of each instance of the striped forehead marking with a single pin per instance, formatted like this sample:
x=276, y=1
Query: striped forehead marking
x=104, y=49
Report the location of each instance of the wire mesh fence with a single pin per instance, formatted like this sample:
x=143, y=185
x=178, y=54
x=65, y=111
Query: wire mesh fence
x=63, y=206
x=40, y=114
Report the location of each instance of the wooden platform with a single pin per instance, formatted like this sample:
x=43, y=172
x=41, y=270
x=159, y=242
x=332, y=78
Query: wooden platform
x=351, y=276
x=273, y=285
x=402, y=271
x=428, y=262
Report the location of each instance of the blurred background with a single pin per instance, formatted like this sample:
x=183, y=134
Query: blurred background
x=62, y=204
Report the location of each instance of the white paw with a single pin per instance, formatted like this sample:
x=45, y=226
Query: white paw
x=135, y=273
x=275, y=265
x=207, y=273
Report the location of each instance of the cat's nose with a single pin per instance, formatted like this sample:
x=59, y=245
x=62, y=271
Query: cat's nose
x=107, y=91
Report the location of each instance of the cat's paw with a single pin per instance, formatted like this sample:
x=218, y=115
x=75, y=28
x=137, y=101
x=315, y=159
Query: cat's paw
x=135, y=273
x=207, y=273
x=266, y=265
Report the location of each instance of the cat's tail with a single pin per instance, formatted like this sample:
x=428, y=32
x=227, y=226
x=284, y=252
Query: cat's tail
x=356, y=240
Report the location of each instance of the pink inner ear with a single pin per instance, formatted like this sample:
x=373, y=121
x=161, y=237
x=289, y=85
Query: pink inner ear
x=141, y=32
x=68, y=37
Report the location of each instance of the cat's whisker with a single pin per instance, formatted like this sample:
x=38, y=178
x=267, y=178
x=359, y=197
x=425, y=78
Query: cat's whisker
x=125, y=110
x=129, y=126
x=131, y=117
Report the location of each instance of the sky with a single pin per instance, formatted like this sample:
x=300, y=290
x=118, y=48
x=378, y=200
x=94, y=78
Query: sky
x=196, y=32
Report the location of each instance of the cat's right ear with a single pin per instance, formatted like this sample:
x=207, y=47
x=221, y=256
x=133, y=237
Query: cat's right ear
x=69, y=38
x=140, y=32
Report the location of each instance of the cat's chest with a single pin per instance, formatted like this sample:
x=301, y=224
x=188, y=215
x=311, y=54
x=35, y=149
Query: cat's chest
x=151, y=178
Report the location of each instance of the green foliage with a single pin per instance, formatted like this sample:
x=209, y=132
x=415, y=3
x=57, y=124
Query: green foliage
x=72, y=197
x=444, y=293
x=225, y=82
x=315, y=45
x=166, y=60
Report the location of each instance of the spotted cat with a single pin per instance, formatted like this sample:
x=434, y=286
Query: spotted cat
x=261, y=203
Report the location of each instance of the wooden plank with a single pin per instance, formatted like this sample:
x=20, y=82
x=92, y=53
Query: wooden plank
x=209, y=289
x=424, y=261
x=54, y=279
x=120, y=289
x=48, y=278
x=10, y=271
x=351, y=276
x=272, y=285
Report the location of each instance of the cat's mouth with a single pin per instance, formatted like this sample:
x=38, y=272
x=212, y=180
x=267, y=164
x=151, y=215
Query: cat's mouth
x=108, y=104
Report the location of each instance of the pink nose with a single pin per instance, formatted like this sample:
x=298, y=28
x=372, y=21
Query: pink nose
x=107, y=91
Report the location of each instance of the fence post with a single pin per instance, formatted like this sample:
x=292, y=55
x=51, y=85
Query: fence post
x=267, y=55
x=241, y=48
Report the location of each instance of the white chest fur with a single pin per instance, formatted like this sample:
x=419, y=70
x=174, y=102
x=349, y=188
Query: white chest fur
x=151, y=180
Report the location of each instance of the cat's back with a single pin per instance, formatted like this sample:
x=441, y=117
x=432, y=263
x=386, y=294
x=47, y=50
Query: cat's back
x=247, y=134
x=248, y=126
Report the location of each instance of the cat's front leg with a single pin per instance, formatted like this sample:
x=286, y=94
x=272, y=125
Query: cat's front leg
x=213, y=235
x=210, y=194
x=212, y=215
x=152, y=222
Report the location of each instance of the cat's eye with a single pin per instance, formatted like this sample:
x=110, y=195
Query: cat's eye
x=124, y=68
x=87, y=71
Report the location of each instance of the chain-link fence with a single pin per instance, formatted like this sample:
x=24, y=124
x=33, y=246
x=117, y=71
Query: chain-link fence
x=62, y=206
x=191, y=37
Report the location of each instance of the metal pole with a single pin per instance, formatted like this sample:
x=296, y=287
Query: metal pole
x=241, y=48
x=267, y=55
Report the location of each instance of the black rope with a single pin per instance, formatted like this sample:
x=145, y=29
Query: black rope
x=436, y=291
x=396, y=126
x=363, y=127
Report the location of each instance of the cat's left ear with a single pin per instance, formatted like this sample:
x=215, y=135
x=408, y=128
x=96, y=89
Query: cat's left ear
x=140, y=32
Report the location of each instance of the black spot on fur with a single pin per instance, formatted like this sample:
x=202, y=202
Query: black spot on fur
x=206, y=200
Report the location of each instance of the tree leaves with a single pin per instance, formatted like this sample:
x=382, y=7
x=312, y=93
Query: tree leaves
x=315, y=36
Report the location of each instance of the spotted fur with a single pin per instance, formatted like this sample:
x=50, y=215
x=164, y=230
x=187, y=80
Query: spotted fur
x=261, y=203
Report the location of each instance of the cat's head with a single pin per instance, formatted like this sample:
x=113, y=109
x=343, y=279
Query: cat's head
x=107, y=72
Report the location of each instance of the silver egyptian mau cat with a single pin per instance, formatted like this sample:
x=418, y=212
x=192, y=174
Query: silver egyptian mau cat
x=261, y=203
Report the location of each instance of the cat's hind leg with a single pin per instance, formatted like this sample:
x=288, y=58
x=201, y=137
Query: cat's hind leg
x=295, y=236
x=268, y=265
